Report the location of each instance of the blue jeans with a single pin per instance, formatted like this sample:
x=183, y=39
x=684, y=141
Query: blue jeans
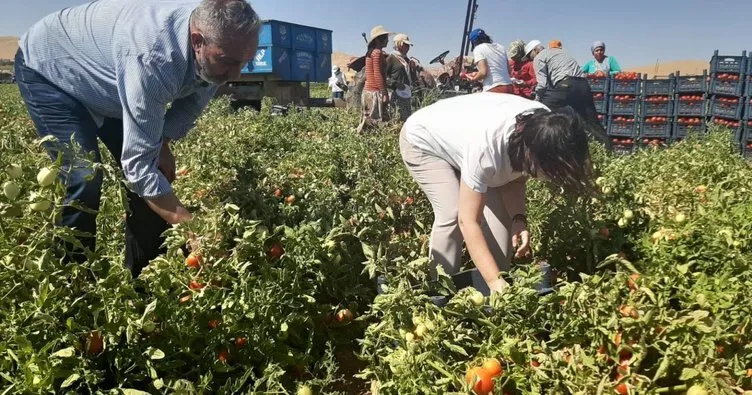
x=56, y=113
x=338, y=95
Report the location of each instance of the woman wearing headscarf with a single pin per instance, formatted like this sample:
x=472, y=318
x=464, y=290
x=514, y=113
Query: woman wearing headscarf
x=601, y=64
x=375, y=99
x=521, y=70
x=474, y=169
x=400, y=76
x=491, y=60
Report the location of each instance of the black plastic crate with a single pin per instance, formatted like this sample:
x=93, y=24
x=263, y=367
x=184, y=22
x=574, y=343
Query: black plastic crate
x=681, y=129
x=727, y=107
x=659, y=86
x=747, y=107
x=746, y=136
x=727, y=87
x=620, y=105
x=747, y=151
x=649, y=129
x=697, y=106
x=625, y=87
x=661, y=107
x=622, y=147
x=728, y=64
x=601, y=104
x=748, y=86
x=620, y=126
x=603, y=119
x=691, y=83
x=598, y=84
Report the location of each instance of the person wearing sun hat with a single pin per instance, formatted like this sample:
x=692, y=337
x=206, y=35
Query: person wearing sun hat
x=521, y=70
x=601, y=64
x=375, y=98
x=401, y=75
x=491, y=60
x=561, y=84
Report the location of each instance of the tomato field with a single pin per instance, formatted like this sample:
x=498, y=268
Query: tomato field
x=272, y=288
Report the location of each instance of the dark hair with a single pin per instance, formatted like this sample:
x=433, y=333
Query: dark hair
x=552, y=144
x=482, y=39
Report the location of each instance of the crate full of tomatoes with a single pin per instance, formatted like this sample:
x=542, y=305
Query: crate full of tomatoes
x=727, y=107
x=658, y=105
x=655, y=142
x=727, y=84
x=625, y=83
x=623, y=145
x=684, y=125
x=622, y=126
x=747, y=107
x=623, y=105
x=690, y=105
x=601, y=102
x=598, y=82
x=656, y=127
x=733, y=124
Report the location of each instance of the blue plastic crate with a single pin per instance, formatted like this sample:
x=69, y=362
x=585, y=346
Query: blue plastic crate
x=271, y=60
x=598, y=84
x=655, y=130
x=601, y=104
x=625, y=87
x=691, y=83
x=304, y=38
x=696, y=108
x=323, y=66
x=680, y=130
x=618, y=128
x=722, y=107
x=275, y=33
x=659, y=87
x=303, y=66
x=726, y=87
x=323, y=41
x=623, y=107
x=728, y=64
x=652, y=107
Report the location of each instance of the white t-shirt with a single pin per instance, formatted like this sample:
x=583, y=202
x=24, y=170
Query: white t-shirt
x=471, y=132
x=498, y=66
x=337, y=79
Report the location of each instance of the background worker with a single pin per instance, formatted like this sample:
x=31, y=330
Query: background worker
x=337, y=83
x=375, y=98
x=601, y=64
x=400, y=76
x=521, y=70
x=561, y=83
x=491, y=60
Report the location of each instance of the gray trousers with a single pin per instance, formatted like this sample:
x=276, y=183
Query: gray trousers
x=441, y=184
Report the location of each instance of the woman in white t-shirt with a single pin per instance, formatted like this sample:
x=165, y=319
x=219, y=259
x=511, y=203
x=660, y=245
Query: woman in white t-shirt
x=473, y=170
x=491, y=60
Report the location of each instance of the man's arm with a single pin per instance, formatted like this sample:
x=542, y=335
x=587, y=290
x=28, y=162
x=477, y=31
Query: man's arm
x=145, y=87
x=541, y=75
x=182, y=115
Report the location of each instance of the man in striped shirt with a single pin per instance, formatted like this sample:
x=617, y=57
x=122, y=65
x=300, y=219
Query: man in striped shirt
x=136, y=75
x=561, y=83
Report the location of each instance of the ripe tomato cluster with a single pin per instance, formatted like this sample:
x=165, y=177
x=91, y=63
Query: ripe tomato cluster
x=482, y=377
x=624, y=97
x=659, y=120
x=627, y=76
x=657, y=99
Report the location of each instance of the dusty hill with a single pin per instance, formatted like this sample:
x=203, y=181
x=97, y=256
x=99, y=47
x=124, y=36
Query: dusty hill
x=662, y=69
x=8, y=47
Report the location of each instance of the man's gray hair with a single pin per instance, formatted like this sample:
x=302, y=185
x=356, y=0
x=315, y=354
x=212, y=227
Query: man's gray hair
x=220, y=20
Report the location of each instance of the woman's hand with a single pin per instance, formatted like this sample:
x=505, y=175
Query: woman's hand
x=499, y=285
x=520, y=239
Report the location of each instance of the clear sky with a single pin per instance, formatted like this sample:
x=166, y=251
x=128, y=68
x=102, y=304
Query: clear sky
x=636, y=32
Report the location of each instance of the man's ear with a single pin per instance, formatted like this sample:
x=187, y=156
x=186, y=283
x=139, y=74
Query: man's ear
x=197, y=39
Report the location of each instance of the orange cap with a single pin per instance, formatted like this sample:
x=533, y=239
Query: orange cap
x=554, y=44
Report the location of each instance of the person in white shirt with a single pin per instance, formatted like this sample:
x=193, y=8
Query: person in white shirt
x=474, y=169
x=337, y=83
x=491, y=60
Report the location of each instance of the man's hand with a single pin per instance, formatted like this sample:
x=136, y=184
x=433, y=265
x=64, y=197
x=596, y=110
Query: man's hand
x=169, y=208
x=167, y=162
x=520, y=239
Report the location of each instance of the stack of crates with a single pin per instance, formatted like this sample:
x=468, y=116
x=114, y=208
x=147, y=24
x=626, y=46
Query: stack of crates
x=657, y=115
x=599, y=86
x=727, y=93
x=690, y=104
x=624, y=108
x=746, y=130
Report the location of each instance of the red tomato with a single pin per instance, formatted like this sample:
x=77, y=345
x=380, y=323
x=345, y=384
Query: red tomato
x=240, y=342
x=223, y=356
x=344, y=316
x=483, y=381
x=492, y=366
x=193, y=261
x=622, y=389
x=95, y=343
x=276, y=251
x=195, y=285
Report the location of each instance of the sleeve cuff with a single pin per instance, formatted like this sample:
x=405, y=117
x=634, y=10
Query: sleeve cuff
x=474, y=184
x=151, y=186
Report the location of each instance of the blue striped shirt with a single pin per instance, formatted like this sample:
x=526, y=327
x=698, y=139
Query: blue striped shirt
x=129, y=60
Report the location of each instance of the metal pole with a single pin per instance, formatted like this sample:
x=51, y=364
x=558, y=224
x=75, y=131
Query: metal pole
x=466, y=49
x=465, y=32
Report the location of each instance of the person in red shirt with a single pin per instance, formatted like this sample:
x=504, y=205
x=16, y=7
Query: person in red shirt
x=375, y=98
x=521, y=70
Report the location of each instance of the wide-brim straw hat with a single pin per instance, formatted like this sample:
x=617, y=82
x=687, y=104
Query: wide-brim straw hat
x=378, y=31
